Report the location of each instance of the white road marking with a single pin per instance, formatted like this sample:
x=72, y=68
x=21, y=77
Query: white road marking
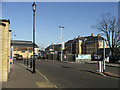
x=45, y=77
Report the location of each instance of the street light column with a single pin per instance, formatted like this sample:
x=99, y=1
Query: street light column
x=61, y=44
x=61, y=41
x=34, y=7
x=104, y=57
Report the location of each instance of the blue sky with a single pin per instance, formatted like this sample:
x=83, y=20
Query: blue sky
x=76, y=17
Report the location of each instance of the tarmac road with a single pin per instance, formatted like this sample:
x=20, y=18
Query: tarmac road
x=75, y=75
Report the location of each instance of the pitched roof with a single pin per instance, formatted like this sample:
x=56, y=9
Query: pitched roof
x=4, y=20
x=20, y=43
x=93, y=39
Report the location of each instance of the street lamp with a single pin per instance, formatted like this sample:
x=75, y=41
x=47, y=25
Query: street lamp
x=61, y=41
x=34, y=8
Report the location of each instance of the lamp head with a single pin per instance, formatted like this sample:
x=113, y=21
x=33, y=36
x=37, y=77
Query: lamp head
x=34, y=6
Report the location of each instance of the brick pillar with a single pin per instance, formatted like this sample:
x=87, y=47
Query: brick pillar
x=9, y=53
x=5, y=52
x=1, y=51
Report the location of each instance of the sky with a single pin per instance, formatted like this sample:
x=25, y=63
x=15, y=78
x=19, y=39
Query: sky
x=76, y=17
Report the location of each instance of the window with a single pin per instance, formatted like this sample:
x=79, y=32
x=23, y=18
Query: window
x=23, y=51
x=30, y=51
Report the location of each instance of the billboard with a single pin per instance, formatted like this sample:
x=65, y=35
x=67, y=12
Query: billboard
x=83, y=57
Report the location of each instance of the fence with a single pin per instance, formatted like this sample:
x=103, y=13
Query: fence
x=65, y=57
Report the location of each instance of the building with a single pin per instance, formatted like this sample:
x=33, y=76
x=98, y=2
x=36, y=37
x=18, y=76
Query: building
x=5, y=37
x=68, y=47
x=24, y=48
x=53, y=48
x=85, y=45
x=92, y=44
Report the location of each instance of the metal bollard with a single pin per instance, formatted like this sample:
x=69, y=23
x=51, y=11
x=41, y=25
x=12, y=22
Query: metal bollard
x=30, y=63
x=99, y=66
x=104, y=65
x=26, y=61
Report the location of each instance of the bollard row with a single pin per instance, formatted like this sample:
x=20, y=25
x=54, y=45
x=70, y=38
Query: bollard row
x=28, y=62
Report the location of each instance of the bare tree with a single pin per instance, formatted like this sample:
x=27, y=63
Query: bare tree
x=108, y=25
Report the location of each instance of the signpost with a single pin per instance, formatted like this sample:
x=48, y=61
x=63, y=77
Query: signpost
x=11, y=56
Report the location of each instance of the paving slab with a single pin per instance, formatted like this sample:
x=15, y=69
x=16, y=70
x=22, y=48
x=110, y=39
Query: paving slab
x=22, y=77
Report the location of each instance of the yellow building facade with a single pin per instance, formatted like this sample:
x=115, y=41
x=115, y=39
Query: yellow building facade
x=24, y=48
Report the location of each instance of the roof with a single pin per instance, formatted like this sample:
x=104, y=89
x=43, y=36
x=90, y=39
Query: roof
x=20, y=43
x=3, y=24
x=93, y=39
x=55, y=46
x=4, y=20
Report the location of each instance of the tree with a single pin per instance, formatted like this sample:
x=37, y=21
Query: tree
x=108, y=25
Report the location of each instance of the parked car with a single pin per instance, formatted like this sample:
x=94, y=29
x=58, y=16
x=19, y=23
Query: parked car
x=36, y=57
x=15, y=56
x=19, y=57
x=97, y=58
x=114, y=59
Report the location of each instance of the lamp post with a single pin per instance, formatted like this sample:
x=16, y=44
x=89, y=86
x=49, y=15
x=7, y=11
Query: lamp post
x=104, y=57
x=61, y=41
x=34, y=7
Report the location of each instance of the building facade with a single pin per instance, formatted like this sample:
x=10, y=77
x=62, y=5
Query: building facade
x=5, y=36
x=24, y=48
x=92, y=44
x=53, y=48
x=85, y=45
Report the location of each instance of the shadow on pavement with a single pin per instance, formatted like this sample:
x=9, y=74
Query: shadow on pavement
x=65, y=67
x=29, y=70
x=112, y=66
x=25, y=67
x=91, y=71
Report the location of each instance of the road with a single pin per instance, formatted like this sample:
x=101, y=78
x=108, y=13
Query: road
x=75, y=75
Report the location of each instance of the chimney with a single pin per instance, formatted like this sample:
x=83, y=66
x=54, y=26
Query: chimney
x=74, y=38
x=92, y=34
x=98, y=35
x=79, y=36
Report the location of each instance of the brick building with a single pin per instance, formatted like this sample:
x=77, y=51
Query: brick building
x=85, y=45
x=53, y=48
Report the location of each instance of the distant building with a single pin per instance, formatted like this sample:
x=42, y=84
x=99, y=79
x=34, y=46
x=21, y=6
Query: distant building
x=85, y=45
x=24, y=48
x=68, y=47
x=77, y=45
x=53, y=48
x=92, y=44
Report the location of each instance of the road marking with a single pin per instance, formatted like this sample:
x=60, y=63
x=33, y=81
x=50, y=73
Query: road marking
x=43, y=76
x=45, y=79
x=45, y=85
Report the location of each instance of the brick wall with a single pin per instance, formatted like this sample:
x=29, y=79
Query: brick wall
x=5, y=49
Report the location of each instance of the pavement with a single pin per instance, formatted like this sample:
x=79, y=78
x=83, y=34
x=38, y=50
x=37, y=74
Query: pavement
x=22, y=77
